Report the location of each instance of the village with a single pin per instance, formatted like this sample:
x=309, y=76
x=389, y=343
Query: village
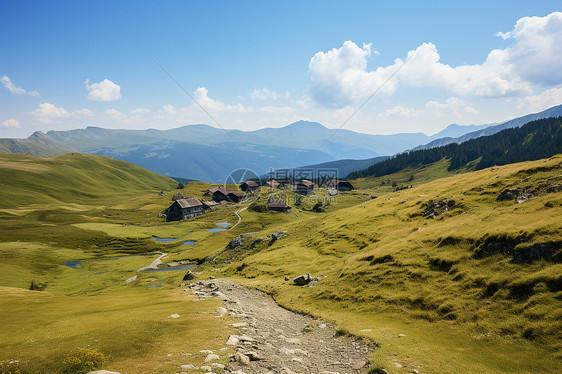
x=184, y=207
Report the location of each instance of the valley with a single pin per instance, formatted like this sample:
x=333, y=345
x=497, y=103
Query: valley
x=474, y=288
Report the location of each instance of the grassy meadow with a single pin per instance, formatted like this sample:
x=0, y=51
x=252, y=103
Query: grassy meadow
x=386, y=269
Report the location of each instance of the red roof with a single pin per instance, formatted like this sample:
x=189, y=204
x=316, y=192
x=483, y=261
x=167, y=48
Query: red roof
x=307, y=183
x=273, y=183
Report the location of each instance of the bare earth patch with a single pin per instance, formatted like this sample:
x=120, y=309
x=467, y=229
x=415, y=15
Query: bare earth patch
x=275, y=340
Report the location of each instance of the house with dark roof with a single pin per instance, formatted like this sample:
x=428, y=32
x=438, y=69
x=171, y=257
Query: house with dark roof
x=236, y=196
x=278, y=205
x=184, y=209
x=340, y=185
x=305, y=187
x=249, y=186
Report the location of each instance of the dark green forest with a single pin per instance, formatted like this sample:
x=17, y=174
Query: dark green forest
x=535, y=140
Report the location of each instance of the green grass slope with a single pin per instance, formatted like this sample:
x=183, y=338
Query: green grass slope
x=72, y=178
x=481, y=283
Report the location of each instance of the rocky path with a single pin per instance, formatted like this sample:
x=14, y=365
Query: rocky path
x=239, y=217
x=274, y=340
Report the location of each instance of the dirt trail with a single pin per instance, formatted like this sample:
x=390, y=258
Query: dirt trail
x=155, y=263
x=276, y=341
x=239, y=217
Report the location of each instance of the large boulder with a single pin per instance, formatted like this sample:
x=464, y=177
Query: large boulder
x=508, y=194
x=302, y=280
x=188, y=276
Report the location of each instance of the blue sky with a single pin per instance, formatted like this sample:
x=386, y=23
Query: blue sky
x=256, y=64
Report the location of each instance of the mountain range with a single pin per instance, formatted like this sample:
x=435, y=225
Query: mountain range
x=206, y=153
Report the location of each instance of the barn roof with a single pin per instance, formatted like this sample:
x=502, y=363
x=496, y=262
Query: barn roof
x=277, y=203
x=210, y=203
x=307, y=183
x=237, y=193
x=252, y=184
x=189, y=202
x=335, y=182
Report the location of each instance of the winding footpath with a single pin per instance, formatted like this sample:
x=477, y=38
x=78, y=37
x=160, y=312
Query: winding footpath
x=273, y=340
x=239, y=217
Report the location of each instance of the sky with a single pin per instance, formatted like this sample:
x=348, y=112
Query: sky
x=378, y=67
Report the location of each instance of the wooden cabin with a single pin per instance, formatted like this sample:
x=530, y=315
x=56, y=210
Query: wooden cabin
x=236, y=196
x=278, y=205
x=249, y=186
x=340, y=185
x=184, y=209
x=305, y=187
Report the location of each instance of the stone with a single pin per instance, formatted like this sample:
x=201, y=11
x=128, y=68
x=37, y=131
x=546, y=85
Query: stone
x=188, y=276
x=245, y=338
x=401, y=335
x=240, y=324
x=187, y=367
x=103, y=372
x=217, y=365
x=232, y=340
x=302, y=280
x=212, y=357
x=221, y=311
x=253, y=356
x=241, y=358
x=508, y=194
x=132, y=279
x=360, y=365
x=212, y=277
x=207, y=368
x=286, y=370
x=297, y=359
x=397, y=365
x=206, y=351
x=175, y=315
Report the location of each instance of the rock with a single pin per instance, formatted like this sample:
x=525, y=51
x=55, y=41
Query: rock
x=175, y=315
x=188, y=276
x=103, y=372
x=397, y=365
x=287, y=279
x=221, y=311
x=217, y=365
x=508, y=194
x=360, y=365
x=238, y=241
x=302, y=280
x=240, y=324
x=297, y=359
x=322, y=326
x=232, y=340
x=245, y=338
x=242, y=359
x=380, y=371
x=253, y=356
x=329, y=372
x=238, y=372
x=187, y=367
x=286, y=370
x=293, y=340
x=212, y=357
x=207, y=368
x=401, y=335
x=212, y=277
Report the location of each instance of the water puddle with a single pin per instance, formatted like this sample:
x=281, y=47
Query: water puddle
x=222, y=227
x=72, y=264
x=153, y=286
x=163, y=239
x=189, y=242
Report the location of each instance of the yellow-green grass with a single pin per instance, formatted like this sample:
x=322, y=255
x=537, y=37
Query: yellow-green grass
x=433, y=279
x=130, y=326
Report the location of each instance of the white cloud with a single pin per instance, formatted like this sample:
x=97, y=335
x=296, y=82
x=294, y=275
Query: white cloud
x=11, y=123
x=265, y=94
x=105, y=90
x=140, y=111
x=201, y=96
x=399, y=111
x=340, y=76
x=116, y=115
x=169, y=109
x=277, y=109
x=452, y=105
x=47, y=113
x=542, y=101
x=83, y=112
x=7, y=82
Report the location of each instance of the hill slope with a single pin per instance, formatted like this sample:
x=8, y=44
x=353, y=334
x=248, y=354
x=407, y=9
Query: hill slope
x=555, y=111
x=72, y=178
x=535, y=140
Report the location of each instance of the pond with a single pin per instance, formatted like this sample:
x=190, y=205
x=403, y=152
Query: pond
x=181, y=267
x=153, y=286
x=189, y=242
x=222, y=227
x=163, y=239
x=72, y=264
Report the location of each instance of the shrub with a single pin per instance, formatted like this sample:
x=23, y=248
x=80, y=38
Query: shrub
x=180, y=185
x=83, y=360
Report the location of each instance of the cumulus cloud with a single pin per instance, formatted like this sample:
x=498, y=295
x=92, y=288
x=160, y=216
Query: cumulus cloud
x=452, y=105
x=140, y=111
x=11, y=123
x=399, y=111
x=105, y=90
x=277, y=109
x=116, y=115
x=201, y=96
x=533, y=59
x=169, y=109
x=265, y=94
x=83, y=112
x=7, y=82
x=542, y=101
x=47, y=113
